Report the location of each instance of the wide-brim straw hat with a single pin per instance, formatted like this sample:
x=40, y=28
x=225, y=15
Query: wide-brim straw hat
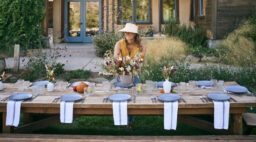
x=131, y=28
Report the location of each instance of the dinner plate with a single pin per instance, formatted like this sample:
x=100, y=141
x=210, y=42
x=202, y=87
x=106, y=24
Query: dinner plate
x=205, y=83
x=218, y=97
x=119, y=97
x=119, y=84
x=70, y=97
x=76, y=83
x=160, y=84
x=237, y=89
x=169, y=97
x=20, y=96
x=39, y=83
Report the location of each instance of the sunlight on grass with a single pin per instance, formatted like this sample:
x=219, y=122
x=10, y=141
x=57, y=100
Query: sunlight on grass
x=165, y=48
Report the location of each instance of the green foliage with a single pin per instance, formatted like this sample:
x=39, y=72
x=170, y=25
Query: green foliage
x=195, y=38
x=184, y=73
x=104, y=42
x=239, y=47
x=20, y=23
x=35, y=68
x=76, y=74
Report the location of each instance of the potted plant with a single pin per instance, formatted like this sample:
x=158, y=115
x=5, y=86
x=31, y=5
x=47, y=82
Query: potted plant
x=124, y=68
x=168, y=72
x=50, y=76
x=2, y=78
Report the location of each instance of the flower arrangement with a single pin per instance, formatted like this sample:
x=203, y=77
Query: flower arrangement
x=168, y=71
x=50, y=73
x=3, y=76
x=122, y=66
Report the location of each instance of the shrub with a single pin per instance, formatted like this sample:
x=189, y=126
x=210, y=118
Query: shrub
x=165, y=48
x=104, y=42
x=195, y=38
x=20, y=23
x=35, y=68
x=243, y=76
x=239, y=47
x=76, y=74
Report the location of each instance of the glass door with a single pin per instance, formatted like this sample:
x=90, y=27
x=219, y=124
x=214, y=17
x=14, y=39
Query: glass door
x=92, y=19
x=82, y=20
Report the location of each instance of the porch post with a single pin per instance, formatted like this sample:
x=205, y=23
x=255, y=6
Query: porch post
x=57, y=20
x=156, y=23
x=45, y=21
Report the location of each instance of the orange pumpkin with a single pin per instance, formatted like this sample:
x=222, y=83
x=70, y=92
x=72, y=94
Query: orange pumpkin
x=162, y=91
x=80, y=87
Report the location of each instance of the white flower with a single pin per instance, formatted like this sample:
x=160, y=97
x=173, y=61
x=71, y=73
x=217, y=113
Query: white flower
x=121, y=69
x=129, y=68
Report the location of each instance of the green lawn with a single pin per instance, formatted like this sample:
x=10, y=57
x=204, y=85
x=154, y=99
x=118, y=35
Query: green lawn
x=103, y=125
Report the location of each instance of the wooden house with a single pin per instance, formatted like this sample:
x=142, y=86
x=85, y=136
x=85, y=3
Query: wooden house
x=81, y=20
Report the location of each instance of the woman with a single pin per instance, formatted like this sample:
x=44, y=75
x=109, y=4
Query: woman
x=130, y=45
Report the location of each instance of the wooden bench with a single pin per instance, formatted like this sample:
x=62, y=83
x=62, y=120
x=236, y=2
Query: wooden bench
x=250, y=121
x=86, y=138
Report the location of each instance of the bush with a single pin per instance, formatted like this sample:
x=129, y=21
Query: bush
x=239, y=47
x=35, y=68
x=195, y=38
x=76, y=74
x=20, y=23
x=104, y=42
x=243, y=76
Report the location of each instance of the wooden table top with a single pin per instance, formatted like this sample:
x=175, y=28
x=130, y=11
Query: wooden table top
x=192, y=98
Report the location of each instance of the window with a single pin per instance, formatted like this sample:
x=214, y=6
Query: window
x=137, y=11
x=201, y=7
x=168, y=10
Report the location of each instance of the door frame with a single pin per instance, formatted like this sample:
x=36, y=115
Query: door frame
x=82, y=37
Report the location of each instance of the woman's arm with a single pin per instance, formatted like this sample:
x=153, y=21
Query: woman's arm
x=117, y=50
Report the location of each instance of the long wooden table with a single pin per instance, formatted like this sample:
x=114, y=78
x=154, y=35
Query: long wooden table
x=138, y=105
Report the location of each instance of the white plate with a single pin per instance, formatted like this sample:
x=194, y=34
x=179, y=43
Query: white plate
x=169, y=97
x=20, y=96
x=119, y=97
x=70, y=97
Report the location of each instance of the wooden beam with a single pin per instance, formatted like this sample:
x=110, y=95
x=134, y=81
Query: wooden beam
x=38, y=124
x=98, y=138
x=214, y=18
x=5, y=129
x=45, y=21
x=16, y=58
x=201, y=124
x=236, y=124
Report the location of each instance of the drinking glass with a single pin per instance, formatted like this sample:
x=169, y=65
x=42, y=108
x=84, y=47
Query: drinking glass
x=35, y=90
x=21, y=85
x=41, y=89
x=106, y=86
x=220, y=85
x=139, y=89
x=91, y=88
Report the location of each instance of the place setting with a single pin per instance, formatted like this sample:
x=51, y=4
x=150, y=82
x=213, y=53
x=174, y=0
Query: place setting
x=66, y=106
x=13, y=107
x=171, y=102
x=221, y=110
x=237, y=90
x=119, y=107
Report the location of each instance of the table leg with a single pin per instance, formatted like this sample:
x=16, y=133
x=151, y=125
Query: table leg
x=5, y=129
x=236, y=124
